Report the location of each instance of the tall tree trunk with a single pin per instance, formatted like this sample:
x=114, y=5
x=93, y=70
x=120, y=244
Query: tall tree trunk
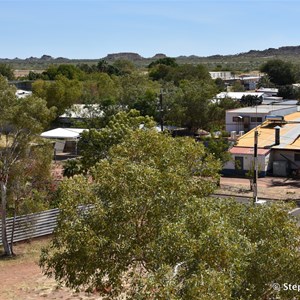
x=6, y=244
x=13, y=231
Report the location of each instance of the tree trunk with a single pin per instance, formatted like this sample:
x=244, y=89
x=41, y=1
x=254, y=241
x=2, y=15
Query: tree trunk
x=6, y=244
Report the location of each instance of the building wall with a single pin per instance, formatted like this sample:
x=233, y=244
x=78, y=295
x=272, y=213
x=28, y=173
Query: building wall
x=290, y=154
x=264, y=164
x=223, y=75
x=238, y=126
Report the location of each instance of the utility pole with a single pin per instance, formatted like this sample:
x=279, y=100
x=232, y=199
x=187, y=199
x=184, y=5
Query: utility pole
x=255, y=173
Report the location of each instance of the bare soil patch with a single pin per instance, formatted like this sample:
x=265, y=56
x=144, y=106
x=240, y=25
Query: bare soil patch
x=277, y=188
x=22, y=279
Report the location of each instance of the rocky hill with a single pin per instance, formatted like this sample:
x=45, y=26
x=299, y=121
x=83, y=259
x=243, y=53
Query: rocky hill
x=282, y=51
x=250, y=60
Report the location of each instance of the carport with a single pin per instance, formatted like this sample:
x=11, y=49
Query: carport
x=63, y=135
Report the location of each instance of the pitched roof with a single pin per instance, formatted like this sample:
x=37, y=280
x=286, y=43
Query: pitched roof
x=250, y=151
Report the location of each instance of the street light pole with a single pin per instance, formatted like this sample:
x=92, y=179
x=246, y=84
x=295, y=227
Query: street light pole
x=255, y=173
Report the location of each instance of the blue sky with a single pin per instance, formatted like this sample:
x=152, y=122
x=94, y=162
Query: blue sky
x=95, y=28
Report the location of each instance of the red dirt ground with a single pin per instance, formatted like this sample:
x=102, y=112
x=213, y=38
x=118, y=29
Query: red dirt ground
x=22, y=279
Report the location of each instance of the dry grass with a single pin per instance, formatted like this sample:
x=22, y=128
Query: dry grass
x=25, y=252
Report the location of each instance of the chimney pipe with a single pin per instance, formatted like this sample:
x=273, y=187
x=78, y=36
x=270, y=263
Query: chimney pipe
x=277, y=135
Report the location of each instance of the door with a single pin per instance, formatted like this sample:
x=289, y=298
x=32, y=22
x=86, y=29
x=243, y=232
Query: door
x=239, y=164
x=246, y=121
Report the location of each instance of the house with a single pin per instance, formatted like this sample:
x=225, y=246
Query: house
x=249, y=81
x=246, y=118
x=224, y=75
x=79, y=112
x=239, y=95
x=269, y=92
x=278, y=148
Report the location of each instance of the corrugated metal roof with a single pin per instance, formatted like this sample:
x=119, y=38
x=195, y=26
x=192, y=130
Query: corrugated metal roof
x=260, y=108
x=250, y=151
x=289, y=134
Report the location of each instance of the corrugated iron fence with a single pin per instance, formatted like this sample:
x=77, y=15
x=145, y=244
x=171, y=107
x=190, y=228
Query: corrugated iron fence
x=32, y=225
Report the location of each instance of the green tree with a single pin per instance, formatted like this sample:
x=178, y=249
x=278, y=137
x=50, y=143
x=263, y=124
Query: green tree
x=167, y=61
x=138, y=92
x=20, y=121
x=220, y=84
x=250, y=100
x=219, y=148
x=217, y=112
x=100, y=87
x=265, y=82
x=124, y=66
x=237, y=87
x=189, y=72
x=95, y=144
x=159, y=72
x=279, y=71
x=67, y=70
x=195, y=101
x=153, y=232
x=288, y=92
x=30, y=188
x=104, y=67
x=72, y=167
x=61, y=93
x=7, y=71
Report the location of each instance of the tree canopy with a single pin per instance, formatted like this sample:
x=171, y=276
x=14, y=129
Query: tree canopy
x=61, y=93
x=95, y=144
x=279, y=71
x=7, y=71
x=150, y=230
x=21, y=119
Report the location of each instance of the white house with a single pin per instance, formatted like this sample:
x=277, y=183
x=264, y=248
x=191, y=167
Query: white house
x=278, y=148
x=79, y=112
x=247, y=118
x=224, y=75
x=238, y=95
x=243, y=160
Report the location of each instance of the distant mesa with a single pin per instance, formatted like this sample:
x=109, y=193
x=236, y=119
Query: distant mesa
x=61, y=59
x=159, y=56
x=286, y=51
x=123, y=55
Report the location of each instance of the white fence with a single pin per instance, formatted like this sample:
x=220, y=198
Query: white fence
x=32, y=225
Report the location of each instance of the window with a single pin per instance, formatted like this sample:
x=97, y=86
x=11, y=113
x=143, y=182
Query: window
x=256, y=120
x=237, y=119
x=297, y=157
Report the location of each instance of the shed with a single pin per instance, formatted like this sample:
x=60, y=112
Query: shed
x=64, y=138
